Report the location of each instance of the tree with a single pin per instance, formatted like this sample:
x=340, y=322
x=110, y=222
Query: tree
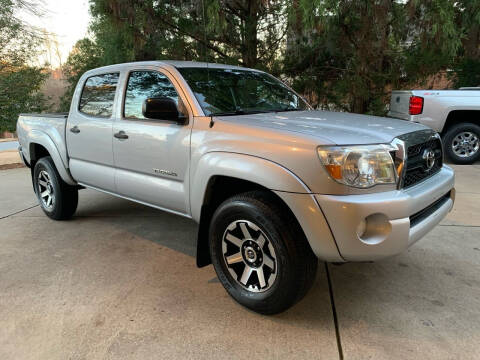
x=19, y=81
x=349, y=54
x=467, y=65
x=245, y=32
x=84, y=56
x=343, y=55
x=19, y=93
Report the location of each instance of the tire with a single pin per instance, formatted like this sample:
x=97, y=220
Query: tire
x=273, y=242
x=463, y=153
x=60, y=200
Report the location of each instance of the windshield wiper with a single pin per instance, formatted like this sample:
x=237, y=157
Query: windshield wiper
x=248, y=112
x=240, y=112
x=287, y=109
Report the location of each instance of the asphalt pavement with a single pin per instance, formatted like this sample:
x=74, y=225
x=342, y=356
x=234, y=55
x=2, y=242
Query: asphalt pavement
x=119, y=281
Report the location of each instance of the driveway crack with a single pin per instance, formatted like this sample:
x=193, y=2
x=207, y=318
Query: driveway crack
x=18, y=212
x=334, y=311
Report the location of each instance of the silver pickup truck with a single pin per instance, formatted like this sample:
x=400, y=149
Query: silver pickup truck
x=455, y=114
x=273, y=184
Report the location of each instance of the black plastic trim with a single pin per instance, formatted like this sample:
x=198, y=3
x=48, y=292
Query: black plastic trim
x=418, y=217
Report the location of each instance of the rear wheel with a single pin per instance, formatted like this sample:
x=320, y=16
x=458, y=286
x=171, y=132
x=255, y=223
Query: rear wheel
x=260, y=253
x=57, y=199
x=462, y=143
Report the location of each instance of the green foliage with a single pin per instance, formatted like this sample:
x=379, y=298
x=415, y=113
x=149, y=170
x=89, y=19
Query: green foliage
x=246, y=32
x=344, y=55
x=467, y=73
x=19, y=93
x=17, y=42
x=466, y=70
x=85, y=55
x=348, y=55
x=19, y=82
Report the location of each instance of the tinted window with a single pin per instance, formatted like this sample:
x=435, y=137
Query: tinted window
x=231, y=91
x=143, y=85
x=98, y=94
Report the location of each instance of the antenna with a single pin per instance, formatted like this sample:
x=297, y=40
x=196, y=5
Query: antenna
x=205, y=53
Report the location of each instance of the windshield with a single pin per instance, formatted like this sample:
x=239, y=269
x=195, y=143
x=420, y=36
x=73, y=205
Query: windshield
x=232, y=91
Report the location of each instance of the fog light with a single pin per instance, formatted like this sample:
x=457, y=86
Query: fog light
x=374, y=229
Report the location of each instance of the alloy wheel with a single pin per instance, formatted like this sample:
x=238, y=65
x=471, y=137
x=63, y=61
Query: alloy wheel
x=465, y=144
x=249, y=256
x=45, y=190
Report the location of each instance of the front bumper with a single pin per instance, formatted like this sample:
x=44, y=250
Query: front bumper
x=373, y=226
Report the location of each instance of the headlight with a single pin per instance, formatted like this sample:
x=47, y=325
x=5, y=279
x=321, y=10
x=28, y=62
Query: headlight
x=361, y=166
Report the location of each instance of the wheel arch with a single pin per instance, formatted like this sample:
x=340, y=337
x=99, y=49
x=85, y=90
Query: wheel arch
x=222, y=175
x=253, y=169
x=42, y=145
x=461, y=116
x=219, y=189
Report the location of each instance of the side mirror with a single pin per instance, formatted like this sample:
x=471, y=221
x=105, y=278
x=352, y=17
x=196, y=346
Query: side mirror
x=162, y=108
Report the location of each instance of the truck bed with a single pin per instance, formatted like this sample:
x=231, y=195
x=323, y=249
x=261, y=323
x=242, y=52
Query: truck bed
x=47, y=126
x=437, y=104
x=52, y=115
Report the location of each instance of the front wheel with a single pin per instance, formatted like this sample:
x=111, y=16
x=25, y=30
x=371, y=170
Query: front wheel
x=462, y=143
x=260, y=253
x=57, y=199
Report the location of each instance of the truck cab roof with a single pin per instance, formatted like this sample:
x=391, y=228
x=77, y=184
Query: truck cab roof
x=160, y=63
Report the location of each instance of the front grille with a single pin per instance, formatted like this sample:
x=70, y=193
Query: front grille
x=417, y=149
x=416, y=168
x=429, y=210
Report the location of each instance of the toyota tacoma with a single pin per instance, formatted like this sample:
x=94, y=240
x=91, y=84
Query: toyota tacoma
x=273, y=184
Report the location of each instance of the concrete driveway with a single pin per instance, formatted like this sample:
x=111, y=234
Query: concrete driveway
x=119, y=282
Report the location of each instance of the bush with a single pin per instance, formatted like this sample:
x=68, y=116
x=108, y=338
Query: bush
x=19, y=93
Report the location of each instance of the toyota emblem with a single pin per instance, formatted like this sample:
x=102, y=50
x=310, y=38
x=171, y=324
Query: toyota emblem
x=429, y=157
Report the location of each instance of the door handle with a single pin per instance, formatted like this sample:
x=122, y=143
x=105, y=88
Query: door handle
x=75, y=129
x=121, y=135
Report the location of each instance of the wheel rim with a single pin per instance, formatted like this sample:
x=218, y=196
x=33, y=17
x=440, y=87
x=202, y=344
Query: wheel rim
x=249, y=256
x=45, y=190
x=465, y=144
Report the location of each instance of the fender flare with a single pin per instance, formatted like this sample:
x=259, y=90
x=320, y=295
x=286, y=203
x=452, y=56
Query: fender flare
x=451, y=108
x=284, y=183
x=41, y=138
x=251, y=168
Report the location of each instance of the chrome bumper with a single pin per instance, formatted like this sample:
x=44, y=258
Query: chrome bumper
x=373, y=226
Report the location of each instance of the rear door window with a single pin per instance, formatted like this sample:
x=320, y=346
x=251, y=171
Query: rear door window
x=98, y=95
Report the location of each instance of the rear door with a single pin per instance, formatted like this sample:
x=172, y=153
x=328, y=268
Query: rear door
x=152, y=156
x=89, y=132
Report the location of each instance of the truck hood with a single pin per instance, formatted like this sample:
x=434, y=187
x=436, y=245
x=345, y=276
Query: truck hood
x=330, y=127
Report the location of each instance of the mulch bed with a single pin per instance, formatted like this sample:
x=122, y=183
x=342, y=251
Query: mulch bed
x=11, y=166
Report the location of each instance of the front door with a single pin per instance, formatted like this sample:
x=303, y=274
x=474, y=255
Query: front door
x=89, y=133
x=151, y=156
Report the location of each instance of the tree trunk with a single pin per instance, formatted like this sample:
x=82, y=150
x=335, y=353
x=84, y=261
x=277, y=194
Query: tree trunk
x=472, y=43
x=250, y=41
